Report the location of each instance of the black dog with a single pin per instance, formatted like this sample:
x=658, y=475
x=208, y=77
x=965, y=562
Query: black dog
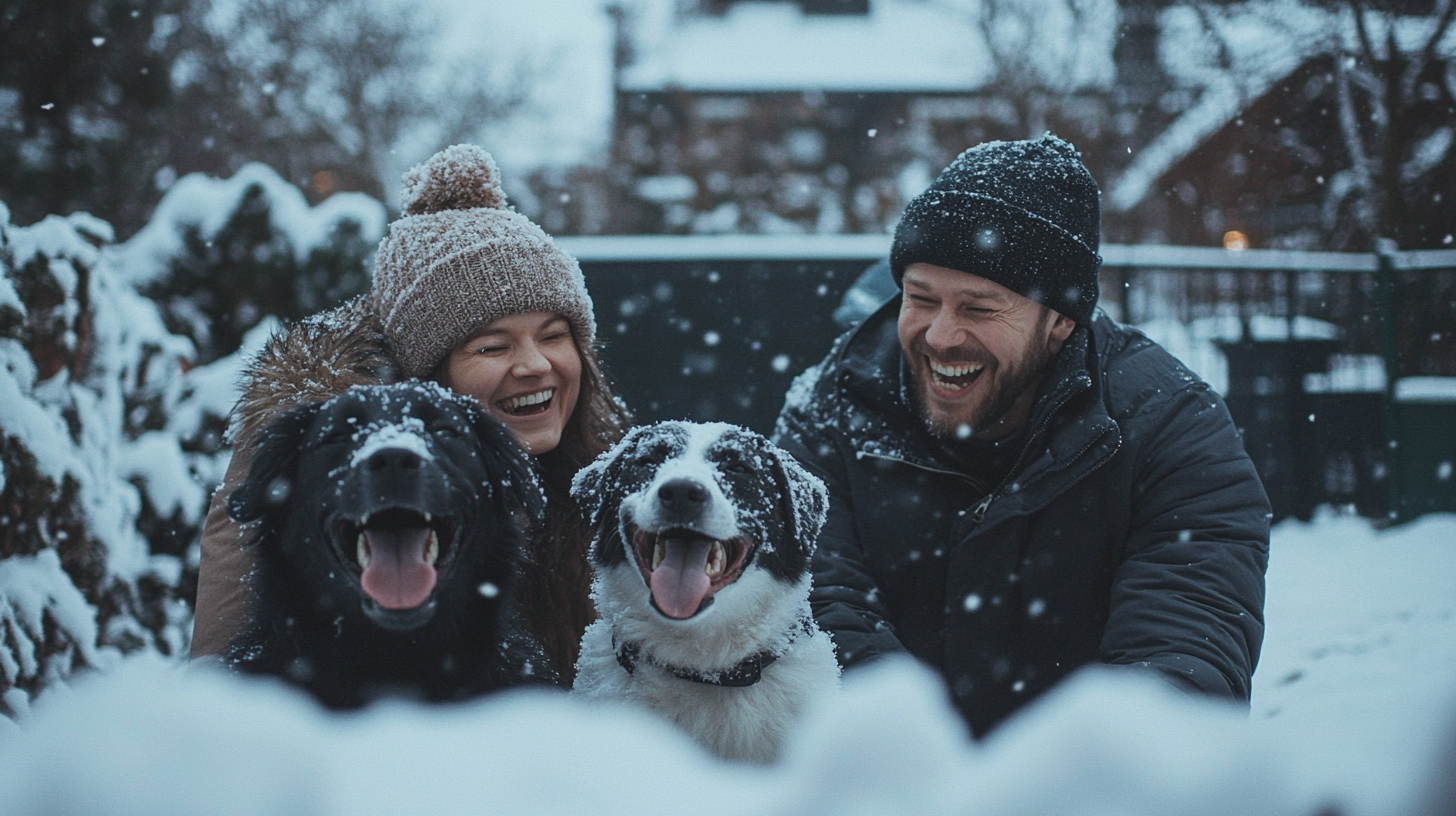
x=386, y=523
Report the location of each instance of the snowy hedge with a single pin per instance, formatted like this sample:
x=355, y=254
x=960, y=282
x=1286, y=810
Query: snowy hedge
x=111, y=434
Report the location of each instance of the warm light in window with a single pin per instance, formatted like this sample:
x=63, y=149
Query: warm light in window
x=1235, y=240
x=325, y=184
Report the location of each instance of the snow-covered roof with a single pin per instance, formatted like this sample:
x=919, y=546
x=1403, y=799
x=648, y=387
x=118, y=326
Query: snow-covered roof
x=1265, y=42
x=901, y=45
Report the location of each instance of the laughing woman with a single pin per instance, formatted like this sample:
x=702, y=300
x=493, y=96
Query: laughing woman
x=473, y=295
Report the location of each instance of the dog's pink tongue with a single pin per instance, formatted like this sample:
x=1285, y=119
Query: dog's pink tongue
x=680, y=582
x=397, y=576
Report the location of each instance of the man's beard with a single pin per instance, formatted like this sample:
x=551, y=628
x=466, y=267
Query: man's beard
x=1012, y=379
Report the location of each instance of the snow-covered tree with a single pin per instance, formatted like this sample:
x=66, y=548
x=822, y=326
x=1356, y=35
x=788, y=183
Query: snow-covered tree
x=220, y=255
x=1045, y=52
x=86, y=105
x=1395, y=83
x=104, y=103
x=1383, y=75
x=80, y=353
x=325, y=91
x=112, y=423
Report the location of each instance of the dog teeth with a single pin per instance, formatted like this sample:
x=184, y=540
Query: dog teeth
x=432, y=550
x=428, y=518
x=658, y=551
x=362, y=552
x=717, y=560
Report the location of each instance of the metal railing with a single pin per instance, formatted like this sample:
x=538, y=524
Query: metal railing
x=1311, y=344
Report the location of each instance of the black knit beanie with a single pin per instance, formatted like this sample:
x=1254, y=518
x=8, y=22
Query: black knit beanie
x=1022, y=214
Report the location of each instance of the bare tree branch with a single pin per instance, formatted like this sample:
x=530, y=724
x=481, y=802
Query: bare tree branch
x=338, y=85
x=1357, y=10
x=1350, y=127
x=1446, y=11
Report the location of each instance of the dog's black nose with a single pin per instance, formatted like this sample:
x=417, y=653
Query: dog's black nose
x=682, y=494
x=393, y=459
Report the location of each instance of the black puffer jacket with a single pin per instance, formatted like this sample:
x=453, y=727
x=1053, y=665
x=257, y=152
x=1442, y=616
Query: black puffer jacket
x=1133, y=529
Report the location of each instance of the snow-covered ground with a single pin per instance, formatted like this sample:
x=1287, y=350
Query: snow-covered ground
x=1354, y=692
x=1359, y=665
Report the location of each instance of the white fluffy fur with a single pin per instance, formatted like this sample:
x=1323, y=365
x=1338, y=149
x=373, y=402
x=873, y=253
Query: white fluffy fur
x=755, y=613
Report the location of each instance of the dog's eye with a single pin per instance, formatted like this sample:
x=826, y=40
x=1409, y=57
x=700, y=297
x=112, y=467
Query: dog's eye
x=446, y=430
x=737, y=467
x=651, y=456
x=336, y=434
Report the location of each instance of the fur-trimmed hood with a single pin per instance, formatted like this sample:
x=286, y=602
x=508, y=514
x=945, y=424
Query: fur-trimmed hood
x=312, y=360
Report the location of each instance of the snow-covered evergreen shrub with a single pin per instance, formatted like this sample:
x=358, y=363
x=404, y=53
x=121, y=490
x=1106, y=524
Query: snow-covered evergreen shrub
x=111, y=435
x=79, y=350
x=221, y=254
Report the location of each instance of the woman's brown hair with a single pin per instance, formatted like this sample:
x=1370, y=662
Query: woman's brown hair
x=553, y=588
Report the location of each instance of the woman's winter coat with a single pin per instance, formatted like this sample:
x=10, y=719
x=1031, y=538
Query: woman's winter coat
x=314, y=360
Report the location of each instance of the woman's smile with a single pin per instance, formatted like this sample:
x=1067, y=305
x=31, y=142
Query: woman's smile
x=526, y=370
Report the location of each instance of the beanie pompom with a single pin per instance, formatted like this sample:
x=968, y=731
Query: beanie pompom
x=460, y=258
x=461, y=177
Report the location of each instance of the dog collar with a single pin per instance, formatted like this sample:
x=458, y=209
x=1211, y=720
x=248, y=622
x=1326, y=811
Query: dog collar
x=746, y=672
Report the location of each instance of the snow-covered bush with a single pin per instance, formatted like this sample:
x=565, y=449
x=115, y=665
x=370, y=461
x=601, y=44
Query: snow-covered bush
x=81, y=355
x=111, y=434
x=220, y=254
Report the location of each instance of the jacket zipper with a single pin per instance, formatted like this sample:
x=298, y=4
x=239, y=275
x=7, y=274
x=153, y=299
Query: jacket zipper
x=979, y=514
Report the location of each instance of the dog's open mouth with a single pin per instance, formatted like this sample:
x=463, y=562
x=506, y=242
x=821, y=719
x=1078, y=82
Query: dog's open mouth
x=684, y=569
x=398, y=553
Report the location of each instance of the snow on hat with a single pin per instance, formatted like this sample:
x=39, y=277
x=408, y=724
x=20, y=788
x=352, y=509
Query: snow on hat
x=1022, y=214
x=459, y=258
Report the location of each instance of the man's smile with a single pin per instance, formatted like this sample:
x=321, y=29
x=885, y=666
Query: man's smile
x=954, y=376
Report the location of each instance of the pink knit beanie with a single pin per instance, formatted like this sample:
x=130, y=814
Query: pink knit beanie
x=460, y=258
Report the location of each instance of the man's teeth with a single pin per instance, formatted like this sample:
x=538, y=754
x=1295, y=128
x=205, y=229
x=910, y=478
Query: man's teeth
x=954, y=376
x=525, y=400
x=954, y=370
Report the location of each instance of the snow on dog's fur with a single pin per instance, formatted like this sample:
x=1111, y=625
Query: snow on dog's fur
x=701, y=547
x=386, y=523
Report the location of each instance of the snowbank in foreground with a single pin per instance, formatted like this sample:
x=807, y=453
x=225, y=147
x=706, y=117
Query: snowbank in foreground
x=150, y=739
x=1351, y=704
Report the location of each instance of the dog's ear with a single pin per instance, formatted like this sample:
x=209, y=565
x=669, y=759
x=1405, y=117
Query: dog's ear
x=587, y=489
x=806, y=495
x=274, y=465
x=509, y=467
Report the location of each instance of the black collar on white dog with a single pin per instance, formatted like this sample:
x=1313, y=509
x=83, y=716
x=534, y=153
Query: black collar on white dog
x=748, y=671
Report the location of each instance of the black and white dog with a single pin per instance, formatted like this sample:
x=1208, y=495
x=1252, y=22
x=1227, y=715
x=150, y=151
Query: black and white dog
x=386, y=524
x=702, y=539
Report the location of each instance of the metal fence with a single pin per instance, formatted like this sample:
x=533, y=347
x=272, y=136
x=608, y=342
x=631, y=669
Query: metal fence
x=1306, y=346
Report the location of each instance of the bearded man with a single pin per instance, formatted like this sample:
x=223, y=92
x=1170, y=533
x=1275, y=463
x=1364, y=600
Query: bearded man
x=1019, y=486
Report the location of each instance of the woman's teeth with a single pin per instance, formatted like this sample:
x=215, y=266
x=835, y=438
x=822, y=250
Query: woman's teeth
x=521, y=404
